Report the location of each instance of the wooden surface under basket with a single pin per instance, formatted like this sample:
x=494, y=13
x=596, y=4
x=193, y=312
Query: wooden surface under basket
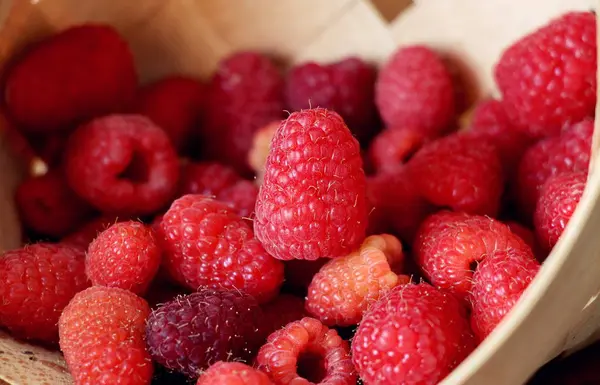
x=559, y=312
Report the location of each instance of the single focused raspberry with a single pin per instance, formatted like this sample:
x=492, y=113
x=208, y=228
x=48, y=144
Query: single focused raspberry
x=449, y=245
x=207, y=244
x=312, y=203
x=233, y=373
x=48, y=206
x=80, y=73
x=175, y=104
x=246, y=93
x=122, y=164
x=343, y=289
x=548, y=77
x=261, y=145
x=83, y=236
x=126, y=255
x=392, y=147
x=462, y=173
x=299, y=273
x=558, y=200
x=346, y=87
x=498, y=283
x=285, y=308
x=194, y=331
x=36, y=283
x=241, y=197
x=206, y=178
x=551, y=156
x=102, y=337
x=415, y=89
x=307, y=352
x=528, y=236
x=414, y=335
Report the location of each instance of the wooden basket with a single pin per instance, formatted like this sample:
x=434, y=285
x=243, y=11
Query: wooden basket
x=558, y=313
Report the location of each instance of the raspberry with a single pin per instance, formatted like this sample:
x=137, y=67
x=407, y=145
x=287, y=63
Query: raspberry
x=346, y=87
x=194, y=331
x=241, y=197
x=257, y=157
x=281, y=311
x=299, y=273
x=207, y=244
x=83, y=236
x=449, y=245
x=548, y=77
x=36, y=283
x=312, y=203
x=78, y=74
x=307, y=352
x=122, y=164
x=102, y=337
x=415, y=89
x=206, y=178
x=343, y=289
x=528, y=236
x=392, y=147
x=176, y=105
x=233, y=373
x=414, y=335
x=245, y=94
x=48, y=206
x=498, y=283
x=462, y=173
x=558, y=200
x=551, y=156
x=126, y=255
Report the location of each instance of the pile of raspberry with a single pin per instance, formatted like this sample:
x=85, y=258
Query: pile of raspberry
x=193, y=230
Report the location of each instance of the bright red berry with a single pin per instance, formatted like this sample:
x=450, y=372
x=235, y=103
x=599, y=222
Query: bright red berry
x=194, y=331
x=80, y=73
x=175, y=104
x=449, y=245
x=307, y=352
x=233, y=373
x=346, y=87
x=206, y=178
x=285, y=308
x=558, y=200
x=462, y=173
x=343, y=289
x=392, y=147
x=415, y=89
x=83, y=236
x=36, y=283
x=245, y=94
x=102, y=337
x=207, y=244
x=498, y=283
x=548, y=77
x=312, y=203
x=48, y=206
x=126, y=255
x=122, y=164
x=241, y=197
x=414, y=335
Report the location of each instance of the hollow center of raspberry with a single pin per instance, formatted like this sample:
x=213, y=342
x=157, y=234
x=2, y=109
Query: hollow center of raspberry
x=311, y=366
x=137, y=170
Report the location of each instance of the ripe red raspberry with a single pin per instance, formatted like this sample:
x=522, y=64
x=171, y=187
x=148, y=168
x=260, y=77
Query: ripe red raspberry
x=36, y=283
x=414, y=335
x=551, y=156
x=528, y=236
x=83, y=236
x=312, y=203
x=261, y=144
x=558, y=200
x=498, y=283
x=307, y=352
x=392, y=147
x=299, y=273
x=415, y=89
x=194, y=331
x=342, y=290
x=48, y=206
x=126, y=255
x=206, y=178
x=102, y=337
x=245, y=94
x=175, y=104
x=207, y=244
x=122, y=164
x=78, y=74
x=462, y=173
x=346, y=87
x=241, y=197
x=449, y=245
x=285, y=308
x=548, y=77
x=233, y=373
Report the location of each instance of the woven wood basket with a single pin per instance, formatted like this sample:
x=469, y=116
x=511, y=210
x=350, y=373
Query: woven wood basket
x=558, y=313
